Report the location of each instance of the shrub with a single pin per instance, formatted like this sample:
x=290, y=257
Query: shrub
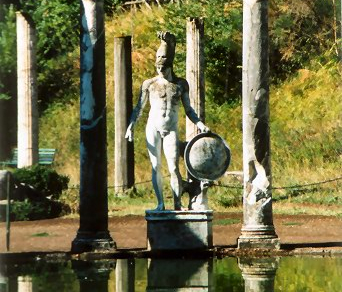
x=43, y=179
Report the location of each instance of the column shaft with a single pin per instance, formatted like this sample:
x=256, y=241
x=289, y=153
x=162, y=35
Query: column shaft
x=258, y=230
x=195, y=71
x=27, y=92
x=93, y=233
x=124, y=150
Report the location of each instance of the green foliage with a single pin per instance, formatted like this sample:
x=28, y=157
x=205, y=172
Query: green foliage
x=57, y=26
x=43, y=179
x=223, y=39
x=228, y=221
x=8, y=52
x=29, y=210
x=299, y=30
x=230, y=198
x=305, y=110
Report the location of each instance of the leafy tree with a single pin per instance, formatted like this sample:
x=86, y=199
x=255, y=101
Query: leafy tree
x=57, y=26
x=299, y=31
x=8, y=52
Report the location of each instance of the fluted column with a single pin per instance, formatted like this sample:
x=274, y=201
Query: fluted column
x=27, y=92
x=124, y=150
x=195, y=71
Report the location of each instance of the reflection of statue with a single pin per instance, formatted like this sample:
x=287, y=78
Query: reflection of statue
x=165, y=91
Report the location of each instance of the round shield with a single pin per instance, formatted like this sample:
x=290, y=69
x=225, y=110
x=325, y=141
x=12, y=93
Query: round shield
x=207, y=156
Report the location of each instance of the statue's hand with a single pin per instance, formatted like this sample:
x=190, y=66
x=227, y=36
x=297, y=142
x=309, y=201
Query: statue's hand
x=129, y=134
x=203, y=128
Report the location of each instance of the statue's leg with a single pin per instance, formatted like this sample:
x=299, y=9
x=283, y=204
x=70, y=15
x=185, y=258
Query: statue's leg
x=170, y=145
x=154, y=145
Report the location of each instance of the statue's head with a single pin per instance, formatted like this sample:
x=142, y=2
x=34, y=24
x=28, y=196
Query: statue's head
x=166, y=51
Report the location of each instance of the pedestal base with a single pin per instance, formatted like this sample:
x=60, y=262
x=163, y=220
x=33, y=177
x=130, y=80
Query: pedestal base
x=92, y=242
x=262, y=238
x=179, y=230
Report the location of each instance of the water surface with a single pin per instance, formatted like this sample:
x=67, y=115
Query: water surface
x=227, y=274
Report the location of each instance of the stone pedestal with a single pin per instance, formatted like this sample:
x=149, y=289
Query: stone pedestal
x=179, y=230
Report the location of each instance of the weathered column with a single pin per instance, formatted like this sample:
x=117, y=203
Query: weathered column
x=195, y=71
x=258, y=273
x=27, y=92
x=124, y=150
x=93, y=232
x=257, y=230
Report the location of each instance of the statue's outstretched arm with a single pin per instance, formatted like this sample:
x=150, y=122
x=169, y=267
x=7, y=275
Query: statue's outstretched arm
x=143, y=96
x=190, y=112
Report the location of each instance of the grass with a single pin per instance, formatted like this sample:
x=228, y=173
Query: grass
x=226, y=221
x=292, y=223
x=305, y=125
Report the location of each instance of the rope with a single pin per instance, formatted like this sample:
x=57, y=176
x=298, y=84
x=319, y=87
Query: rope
x=238, y=186
x=287, y=187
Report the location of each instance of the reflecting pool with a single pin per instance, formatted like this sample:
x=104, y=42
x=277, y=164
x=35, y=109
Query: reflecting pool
x=227, y=274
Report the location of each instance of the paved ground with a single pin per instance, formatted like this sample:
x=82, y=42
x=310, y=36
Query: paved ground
x=130, y=232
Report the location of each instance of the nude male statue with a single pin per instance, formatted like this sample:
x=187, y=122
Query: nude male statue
x=165, y=92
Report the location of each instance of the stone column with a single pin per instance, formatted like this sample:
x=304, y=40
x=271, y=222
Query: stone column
x=125, y=275
x=93, y=232
x=257, y=230
x=27, y=92
x=258, y=273
x=195, y=71
x=124, y=150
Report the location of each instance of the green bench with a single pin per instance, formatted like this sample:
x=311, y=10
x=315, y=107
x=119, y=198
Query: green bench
x=46, y=157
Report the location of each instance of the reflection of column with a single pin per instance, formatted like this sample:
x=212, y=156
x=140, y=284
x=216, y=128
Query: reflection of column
x=180, y=274
x=27, y=92
x=93, y=233
x=125, y=275
x=93, y=276
x=3, y=283
x=258, y=230
x=195, y=71
x=25, y=284
x=124, y=151
x=258, y=273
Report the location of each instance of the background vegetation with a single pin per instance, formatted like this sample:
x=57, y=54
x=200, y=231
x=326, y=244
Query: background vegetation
x=305, y=99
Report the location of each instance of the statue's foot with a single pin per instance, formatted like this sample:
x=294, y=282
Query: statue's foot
x=160, y=207
x=179, y=207
x=199, y=207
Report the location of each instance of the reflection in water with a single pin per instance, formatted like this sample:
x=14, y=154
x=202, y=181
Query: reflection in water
x=141, y=275
x=258, y=273
x=180, y=275
x=25, y=284
x=125, y=275
x=93, y=275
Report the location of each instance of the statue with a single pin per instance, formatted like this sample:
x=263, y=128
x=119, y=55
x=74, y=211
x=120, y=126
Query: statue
x=164, y=92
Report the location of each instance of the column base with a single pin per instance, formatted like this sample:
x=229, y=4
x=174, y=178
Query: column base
x=258, y=238
x=92, y=242
x=179, y=230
